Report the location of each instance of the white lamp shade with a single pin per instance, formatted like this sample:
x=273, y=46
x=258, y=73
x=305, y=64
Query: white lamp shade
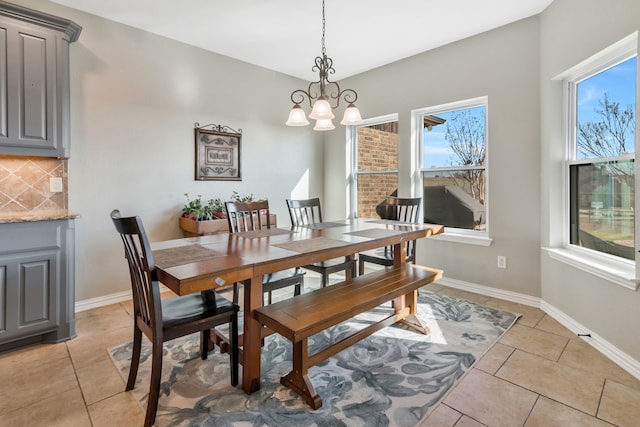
x=321, y=110
x=297, y=117
x=351, y=116
x=323, y=124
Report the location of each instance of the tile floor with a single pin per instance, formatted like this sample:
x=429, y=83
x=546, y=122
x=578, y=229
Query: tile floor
x=539, y=374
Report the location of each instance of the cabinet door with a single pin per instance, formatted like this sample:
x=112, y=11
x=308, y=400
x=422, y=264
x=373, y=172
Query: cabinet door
x=28, y=91
x=29, y=284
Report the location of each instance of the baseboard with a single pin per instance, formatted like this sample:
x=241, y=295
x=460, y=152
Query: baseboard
x=617, y=356
x=491, y=292
x=88, y=304
x=621, y=358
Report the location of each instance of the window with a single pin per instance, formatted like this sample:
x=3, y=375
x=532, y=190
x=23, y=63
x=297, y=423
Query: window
x=375, y=169
x=601, y=148
x=453, y=165
x=598, y=188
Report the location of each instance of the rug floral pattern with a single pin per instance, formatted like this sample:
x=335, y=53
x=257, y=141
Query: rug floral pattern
x=393, y=378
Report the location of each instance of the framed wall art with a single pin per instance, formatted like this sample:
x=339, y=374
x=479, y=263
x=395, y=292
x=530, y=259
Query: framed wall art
x=217, y=153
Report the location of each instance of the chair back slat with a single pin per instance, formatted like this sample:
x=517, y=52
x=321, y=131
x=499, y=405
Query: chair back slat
x=403, y=209
x=304, y=212
x=407, y=210
x=144, y=282
x=246, y=216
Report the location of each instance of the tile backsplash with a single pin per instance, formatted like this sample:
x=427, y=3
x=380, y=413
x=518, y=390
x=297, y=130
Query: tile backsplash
x=24, y=184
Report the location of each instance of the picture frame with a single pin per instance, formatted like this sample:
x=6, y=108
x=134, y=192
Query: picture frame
x=217, y=153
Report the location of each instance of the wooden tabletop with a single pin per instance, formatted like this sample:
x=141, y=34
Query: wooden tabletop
x=196, y=263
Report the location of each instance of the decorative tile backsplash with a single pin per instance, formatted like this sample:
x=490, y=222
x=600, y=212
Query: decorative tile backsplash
x=24, y=184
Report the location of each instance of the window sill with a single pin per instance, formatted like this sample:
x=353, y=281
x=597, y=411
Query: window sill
x=480, y=239
x=617, y=272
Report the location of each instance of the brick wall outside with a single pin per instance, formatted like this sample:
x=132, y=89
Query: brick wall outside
x=377, y=151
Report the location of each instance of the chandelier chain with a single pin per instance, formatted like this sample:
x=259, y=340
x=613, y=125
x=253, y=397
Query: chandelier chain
x=324, y=50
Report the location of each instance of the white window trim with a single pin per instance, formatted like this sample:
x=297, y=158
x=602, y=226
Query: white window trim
x=457, y=235
x=613, y=269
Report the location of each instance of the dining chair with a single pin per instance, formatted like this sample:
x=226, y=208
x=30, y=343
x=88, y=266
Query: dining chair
x=170, y=318
x=308, y=212
x=248, y=216
x=398, y=209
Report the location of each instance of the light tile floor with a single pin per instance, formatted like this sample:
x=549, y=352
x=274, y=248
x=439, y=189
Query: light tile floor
x=539, y=374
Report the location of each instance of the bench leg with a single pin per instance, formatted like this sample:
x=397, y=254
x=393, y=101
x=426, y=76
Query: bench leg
x=412, y=320
x=298, y=380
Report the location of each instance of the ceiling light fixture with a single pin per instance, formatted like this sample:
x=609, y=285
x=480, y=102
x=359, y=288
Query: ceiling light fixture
x=321, y=94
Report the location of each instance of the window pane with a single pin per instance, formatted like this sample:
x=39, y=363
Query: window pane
x=602, y=201
x=455, y=199
x=455, y=138
x=377, y=151
x=606, y=112
x=378, y=147
x=373, y=189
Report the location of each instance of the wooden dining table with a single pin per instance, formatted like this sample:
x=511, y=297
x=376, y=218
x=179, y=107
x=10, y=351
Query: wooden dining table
x=217, y=261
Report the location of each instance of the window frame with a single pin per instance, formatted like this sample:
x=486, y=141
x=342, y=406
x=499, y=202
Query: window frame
x=616, y=270
x=459, y=235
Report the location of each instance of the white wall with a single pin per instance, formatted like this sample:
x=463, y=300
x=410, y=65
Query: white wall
x=134, y=99
x=503, y=65
x=572, y=31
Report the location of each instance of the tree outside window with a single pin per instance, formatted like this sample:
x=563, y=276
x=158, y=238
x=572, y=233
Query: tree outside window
x=602, y=178
x=454, y=166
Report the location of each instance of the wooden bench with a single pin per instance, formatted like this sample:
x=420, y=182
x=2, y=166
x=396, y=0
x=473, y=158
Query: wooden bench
x=300, y=317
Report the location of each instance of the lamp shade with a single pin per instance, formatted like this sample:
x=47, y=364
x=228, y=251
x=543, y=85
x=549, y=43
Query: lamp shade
x=324, y=124
x=321, y=110
x=297, y=117
x=351, y=116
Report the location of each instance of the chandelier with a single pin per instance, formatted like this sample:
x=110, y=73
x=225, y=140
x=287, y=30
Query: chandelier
x=323, y=96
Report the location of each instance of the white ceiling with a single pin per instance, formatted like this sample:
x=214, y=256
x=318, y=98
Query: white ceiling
x=285, y=35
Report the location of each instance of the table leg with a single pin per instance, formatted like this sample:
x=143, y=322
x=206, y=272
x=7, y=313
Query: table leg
x=399, y=254
x=412, y=320
x=409, y=300
x=252, y=335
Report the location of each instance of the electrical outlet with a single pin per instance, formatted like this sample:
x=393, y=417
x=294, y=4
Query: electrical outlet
x=502, y=261
x=55, y=184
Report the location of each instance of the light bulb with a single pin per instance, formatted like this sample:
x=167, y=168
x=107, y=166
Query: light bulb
x=297, y=117
x=321, y=110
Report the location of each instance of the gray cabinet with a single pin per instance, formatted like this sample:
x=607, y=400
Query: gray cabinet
x=36, y=282
x=34, y=82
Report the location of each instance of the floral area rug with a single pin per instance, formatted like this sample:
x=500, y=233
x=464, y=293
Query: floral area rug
x=392, y=378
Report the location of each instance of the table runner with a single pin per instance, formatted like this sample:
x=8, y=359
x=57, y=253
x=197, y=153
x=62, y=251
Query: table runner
x=171, y=257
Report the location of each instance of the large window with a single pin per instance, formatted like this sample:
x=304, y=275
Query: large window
x=453, y=165
x=601, y=148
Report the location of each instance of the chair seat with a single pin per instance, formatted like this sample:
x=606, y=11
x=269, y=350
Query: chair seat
x=340, y=263
x=282, y=276
x=380, y=253
x=193, y=307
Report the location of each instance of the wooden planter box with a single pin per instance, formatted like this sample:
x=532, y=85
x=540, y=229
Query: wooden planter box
x=193, y=228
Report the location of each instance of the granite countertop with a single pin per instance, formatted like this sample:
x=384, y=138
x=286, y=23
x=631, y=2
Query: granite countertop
x=7, y=217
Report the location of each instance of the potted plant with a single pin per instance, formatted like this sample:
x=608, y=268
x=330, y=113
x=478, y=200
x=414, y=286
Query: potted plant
x=201, y=217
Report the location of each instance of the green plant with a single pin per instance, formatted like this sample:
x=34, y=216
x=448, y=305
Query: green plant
x=200, y=210
x=235, y=197
x=203, y=210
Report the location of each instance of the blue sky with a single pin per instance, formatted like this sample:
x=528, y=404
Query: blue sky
x=619, y=82
x=436, y=151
